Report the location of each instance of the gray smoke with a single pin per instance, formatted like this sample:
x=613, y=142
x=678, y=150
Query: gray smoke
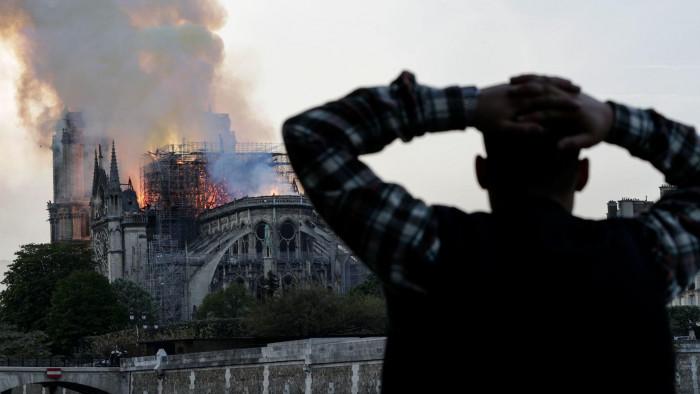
x=247, y=174
x=142, y=71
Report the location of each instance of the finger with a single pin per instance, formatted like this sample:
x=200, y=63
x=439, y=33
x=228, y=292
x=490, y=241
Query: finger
x=521, y=128
x=559, y=82
x=524, y=78
x=564, y=84
x=546, y=116
x=578, y=141
x=532, y=89
x=527, y=89
x=561, y=103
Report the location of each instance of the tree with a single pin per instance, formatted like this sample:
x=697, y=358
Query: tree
x=32, y=277
x=133, y=299
x=297, y=313
x=14, y=343
x=232, y=302
x=364, y=314
x=271, y=284
x=683, y=318
x=83, y=304
x=371, y=286
x=317, y=311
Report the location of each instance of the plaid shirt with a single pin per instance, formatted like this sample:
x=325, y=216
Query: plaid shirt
x=395, y=234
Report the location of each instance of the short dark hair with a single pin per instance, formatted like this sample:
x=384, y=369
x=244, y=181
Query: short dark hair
x=529, y=162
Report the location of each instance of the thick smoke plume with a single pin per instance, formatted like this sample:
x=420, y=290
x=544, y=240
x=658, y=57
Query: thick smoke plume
x=247, y=174
x=143, y=72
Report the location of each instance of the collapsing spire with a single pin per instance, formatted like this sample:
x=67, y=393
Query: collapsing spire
x=114, y=171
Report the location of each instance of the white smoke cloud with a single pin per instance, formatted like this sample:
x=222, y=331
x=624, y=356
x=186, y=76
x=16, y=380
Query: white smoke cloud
x=141, y=71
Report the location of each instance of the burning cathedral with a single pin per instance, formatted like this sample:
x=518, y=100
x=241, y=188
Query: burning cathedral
x=204, y=215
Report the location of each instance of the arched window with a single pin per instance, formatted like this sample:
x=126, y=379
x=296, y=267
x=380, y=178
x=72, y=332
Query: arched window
x=288, y=235
x=244, y=245
x=263, y=242
x=306, y=243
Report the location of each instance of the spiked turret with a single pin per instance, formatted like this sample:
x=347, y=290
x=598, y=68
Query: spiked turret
x=114, y=172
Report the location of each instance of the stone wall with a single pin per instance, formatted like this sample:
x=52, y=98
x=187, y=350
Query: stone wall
x=687, y=366
x=339, y=365
x=38, y=389
x=322, y=365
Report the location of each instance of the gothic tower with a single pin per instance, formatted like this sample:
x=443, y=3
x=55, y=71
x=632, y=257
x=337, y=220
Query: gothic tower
x=69, y=212
x=118, y=225
x=114, y=217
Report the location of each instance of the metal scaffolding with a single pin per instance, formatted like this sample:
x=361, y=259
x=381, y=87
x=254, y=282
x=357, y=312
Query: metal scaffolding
x=177, y=187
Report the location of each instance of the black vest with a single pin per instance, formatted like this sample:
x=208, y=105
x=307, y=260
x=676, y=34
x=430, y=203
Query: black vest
x=533, y=300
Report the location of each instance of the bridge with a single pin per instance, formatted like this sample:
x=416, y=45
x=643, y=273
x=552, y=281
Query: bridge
x=87, y=380
x=319, y=365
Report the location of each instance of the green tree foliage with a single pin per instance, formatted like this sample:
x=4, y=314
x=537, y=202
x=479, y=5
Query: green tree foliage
x=316, y=312
x=271, y=284
x=32, y=278
x=83, y=304
x=682, y=318
x=364, y=315
x=134, y=299
x=233, y=302
x=371, y=286
x=14, y=343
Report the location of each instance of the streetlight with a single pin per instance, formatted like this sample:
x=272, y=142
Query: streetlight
x=132, y=318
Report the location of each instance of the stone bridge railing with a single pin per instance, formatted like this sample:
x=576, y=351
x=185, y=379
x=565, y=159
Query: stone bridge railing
x=89, y=380
x=343, y=365
x=52, y=362
x=322, y=365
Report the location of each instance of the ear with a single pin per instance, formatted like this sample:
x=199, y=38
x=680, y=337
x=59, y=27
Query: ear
x=481, y=165
x=582, y=174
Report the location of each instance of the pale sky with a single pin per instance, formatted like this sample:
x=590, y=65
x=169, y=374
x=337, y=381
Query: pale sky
x=305, y=52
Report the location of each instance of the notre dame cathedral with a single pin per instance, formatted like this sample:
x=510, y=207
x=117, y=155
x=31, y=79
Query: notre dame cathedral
x=190, y=237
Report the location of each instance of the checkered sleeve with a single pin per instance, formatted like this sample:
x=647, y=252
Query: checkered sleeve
x=674, y=149
x=394, y=233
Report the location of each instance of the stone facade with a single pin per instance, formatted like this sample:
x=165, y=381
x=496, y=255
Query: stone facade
x=106, y=214
x=339, y=366
x=190, y=242
x=69, y=213
x=118, y=225
x=251, y=240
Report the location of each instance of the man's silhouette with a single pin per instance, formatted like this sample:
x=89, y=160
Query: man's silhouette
x=528, y=298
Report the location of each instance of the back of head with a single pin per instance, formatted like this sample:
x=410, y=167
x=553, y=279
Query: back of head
x=534, y=164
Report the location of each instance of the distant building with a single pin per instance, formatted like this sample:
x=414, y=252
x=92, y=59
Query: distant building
x=631, y=207
x=627, y=207
x=210, y=215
